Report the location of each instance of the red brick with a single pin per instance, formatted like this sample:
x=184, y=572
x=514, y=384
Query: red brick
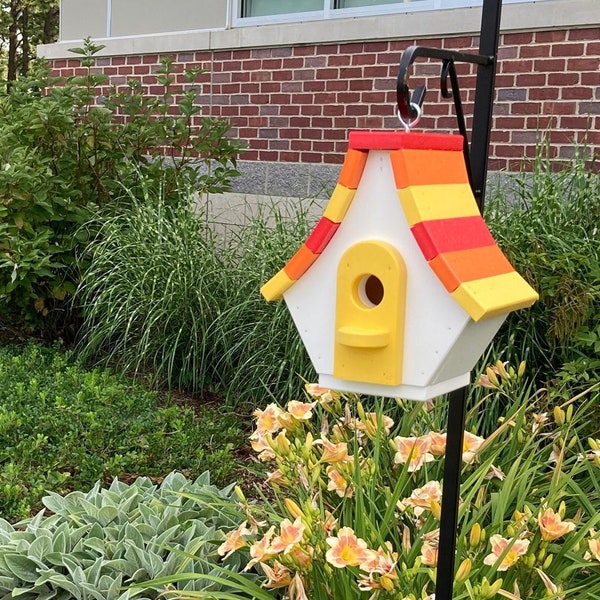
x=336, y=85
x=534, y=51
x=458, y=43
x=311, y=157
x=508, y=123
x=364, y=59
x=544, y=93
x=583, y=64
x=303, y=50
x=585, y=34
x=351, y=73
x=525, y=108
x=563, y=79
x=518, y=66
x=549, y=64
x=560, y=108
x=567, y=50
x=327, y=73
x=555, y=35
x=517, y=39
x=338, y=60
x=576, y=93
x=388, y=58
x=313, y=86
x=592, y=49
x=288, y=156
x=589, y=79
x=348, y=97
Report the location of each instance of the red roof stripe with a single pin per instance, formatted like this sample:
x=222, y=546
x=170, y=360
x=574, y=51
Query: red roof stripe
x=395, y=140
x=449, y=235
x=454, y=268
x=321, y=234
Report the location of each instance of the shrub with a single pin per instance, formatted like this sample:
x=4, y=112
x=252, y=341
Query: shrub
x=105, y=543
x=63, y=154
x=550, y=233
x=63, y=427
x=354, y=506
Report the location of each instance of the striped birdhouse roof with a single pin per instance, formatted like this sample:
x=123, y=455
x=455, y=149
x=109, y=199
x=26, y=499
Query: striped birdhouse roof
x=437, y=201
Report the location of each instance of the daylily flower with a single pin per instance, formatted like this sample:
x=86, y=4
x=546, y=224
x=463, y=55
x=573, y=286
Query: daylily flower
x=267, y=421
x=429, y=554
x=323, y=396
x=289, y=535
x=425, y=498
x=333, y=453
x=277, y=478
x=338, y=483
x=296, y=589
x=346, y=550
x=495, y=473
x=234, y=541
x=278, y=576
x=300, y=410
x=413, y=450
x=438, y=443
x=552, y=526
x=471, y=445
x=261, y=446
x=260, y=551
x=538, y=421
x=370, y=424
x=382, y=561
x=594, y=546
x=517, y=548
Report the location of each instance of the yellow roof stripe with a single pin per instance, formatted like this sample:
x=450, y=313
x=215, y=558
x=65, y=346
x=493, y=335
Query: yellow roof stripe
x=495, y=295
x=441, y=201
x=338, y=203
x=276, y=286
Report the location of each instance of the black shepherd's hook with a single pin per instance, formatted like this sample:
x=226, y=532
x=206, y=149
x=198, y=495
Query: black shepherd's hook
x=409, y=105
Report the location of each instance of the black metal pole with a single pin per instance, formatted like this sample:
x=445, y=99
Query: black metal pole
x=444, y=582
x=484, y=97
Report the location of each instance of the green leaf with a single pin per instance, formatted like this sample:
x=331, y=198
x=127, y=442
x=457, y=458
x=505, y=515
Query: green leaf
x=22, y=567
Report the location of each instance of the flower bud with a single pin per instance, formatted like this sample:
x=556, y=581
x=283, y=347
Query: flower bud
x=475, y=535
x=502, y=370
x=240, y=494
x=521, y=370
x=569, y=413
x=559, y=415
x=548, y=561
x=492, y=377
x=464, y=570
x=293, y=508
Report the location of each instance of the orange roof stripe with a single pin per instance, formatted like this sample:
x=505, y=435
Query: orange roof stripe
x=299, y=263
x=454, y=268
x=352, y=169
x=428, y=167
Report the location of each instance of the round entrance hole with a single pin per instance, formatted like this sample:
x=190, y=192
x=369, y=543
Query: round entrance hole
x=370, y=291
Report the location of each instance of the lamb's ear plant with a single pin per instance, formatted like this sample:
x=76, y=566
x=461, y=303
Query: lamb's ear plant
x=354, y=507
x=106, y=544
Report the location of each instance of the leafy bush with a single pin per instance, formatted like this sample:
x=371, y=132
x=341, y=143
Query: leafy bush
x=550, y=233
x=105, y=543
x=354, y=507
x=165, y=294
x=63, y=428
x=63, y=154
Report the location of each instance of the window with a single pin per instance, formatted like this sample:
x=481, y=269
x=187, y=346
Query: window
x=262, y=8
x=357, y=3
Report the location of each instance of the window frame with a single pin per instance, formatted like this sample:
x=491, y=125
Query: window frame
x=329, y=12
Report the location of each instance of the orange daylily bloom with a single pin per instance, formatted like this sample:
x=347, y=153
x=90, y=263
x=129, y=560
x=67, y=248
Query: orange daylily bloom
x=424, y=498
x=323, y=396
x=289, y=535
x=300, y=410
x=594, y=546
x=234, y=541
x=267, y=421
x=260, y=550
x=429, y=554
x=370, y=424
x=333, y=453
x=471, y=445
x=346, y=550
x=338, y=483
x=414, y=451
x=278, y=576
x=438, y=443
x=261, y=446
x=517, y=548
x=552, y=526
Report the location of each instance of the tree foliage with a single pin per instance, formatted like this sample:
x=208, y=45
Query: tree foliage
x=23, y=25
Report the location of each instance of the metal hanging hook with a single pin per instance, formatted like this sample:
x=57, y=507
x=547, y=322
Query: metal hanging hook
x=408, y=125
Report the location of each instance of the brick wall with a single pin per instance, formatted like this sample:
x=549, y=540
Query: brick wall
x=297, y=104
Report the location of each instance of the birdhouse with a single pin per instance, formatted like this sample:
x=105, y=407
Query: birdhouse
x=400, y=287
